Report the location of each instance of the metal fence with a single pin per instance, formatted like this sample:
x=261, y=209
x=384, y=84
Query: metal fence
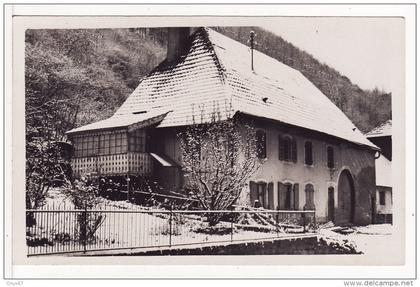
x=52, y=231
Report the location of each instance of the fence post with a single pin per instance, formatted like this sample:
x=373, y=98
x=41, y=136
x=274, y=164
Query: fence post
x=304, y=222
x=86, y=229
x=314, y=220
x=277, y=223
x=170, y=226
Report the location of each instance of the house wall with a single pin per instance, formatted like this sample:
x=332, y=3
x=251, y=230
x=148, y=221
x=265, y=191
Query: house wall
x=358, y=161
x=387, y=207
x=384, y=211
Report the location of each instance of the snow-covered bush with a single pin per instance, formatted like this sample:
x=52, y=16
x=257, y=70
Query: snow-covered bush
x=84, y=194
x=218, y=158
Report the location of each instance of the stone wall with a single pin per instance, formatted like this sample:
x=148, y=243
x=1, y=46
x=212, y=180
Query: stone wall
x=290, y=246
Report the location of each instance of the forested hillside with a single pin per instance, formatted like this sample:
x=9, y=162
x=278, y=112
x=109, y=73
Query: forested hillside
x=74, y=77
x=366, y=109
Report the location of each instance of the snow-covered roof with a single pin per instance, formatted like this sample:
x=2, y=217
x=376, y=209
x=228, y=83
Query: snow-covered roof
x=215, y=76
x=382, y=130
x=383, y=170
x=123, y=121
x=163, y=160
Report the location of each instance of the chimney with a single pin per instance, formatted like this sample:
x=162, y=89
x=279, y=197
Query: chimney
x=178, y=41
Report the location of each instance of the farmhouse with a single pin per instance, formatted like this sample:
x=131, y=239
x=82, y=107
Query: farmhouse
x=381, y=136
x=315, y=158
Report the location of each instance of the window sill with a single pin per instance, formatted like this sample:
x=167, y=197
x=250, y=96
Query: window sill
x=309, y=165
x=287, y=162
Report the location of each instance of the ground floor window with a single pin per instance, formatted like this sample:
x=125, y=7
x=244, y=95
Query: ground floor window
x=288, y=196
x=309, y=197
x=261, y=194
x=382, y=197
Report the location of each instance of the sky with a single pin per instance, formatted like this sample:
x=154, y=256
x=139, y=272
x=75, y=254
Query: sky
x=369, y=51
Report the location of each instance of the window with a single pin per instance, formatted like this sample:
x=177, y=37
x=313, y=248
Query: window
x=137, y=141
x=309, y=197
x=261, y=195
x=288, y=196
x=261, y=144
x=100, y=144
x=330, y=157
x=382, y=197
x=287, y=149
x=308, y=153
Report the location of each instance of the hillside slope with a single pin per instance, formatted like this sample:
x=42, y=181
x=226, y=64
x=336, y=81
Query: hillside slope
x=366, y=109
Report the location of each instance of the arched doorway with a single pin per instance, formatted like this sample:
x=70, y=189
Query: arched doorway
x=346, y=198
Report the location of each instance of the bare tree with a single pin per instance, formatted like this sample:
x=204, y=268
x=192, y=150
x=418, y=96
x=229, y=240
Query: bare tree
x=218, y=158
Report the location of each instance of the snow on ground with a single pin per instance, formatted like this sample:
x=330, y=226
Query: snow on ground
x=148, y=227
x=139, y=227
x=372, y=240
x=57, y=200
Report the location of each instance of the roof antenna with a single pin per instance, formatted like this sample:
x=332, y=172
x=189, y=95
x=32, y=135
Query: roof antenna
x=252, y=49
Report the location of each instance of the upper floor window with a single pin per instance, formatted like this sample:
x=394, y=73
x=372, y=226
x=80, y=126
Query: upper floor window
x=330, y=157
x=100, y=144
x=308, y=153
x=287, y=149
x=261, y=144
x=137, y=141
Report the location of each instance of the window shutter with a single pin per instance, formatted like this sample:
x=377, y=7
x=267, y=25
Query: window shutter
x=264, y=201
x=253, y=192
x=281, y=148
x=270, y=196
x=309, y=197
x=296, y=196
x=294, y=150
x=281, y=195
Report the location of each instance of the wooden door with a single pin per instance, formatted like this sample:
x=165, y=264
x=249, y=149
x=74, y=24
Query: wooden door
x=346, y=198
